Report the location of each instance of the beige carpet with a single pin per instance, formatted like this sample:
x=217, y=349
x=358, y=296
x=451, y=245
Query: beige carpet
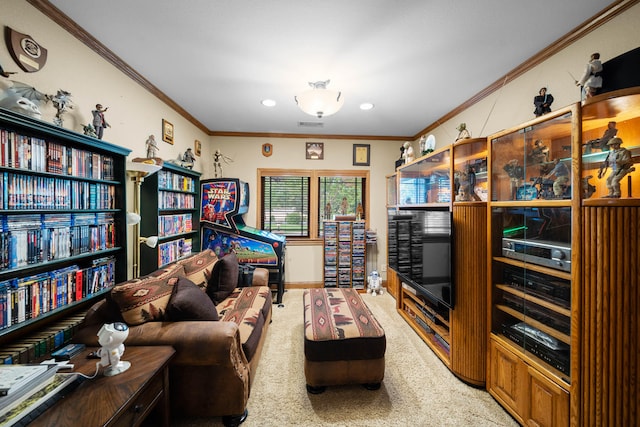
x=417, y=390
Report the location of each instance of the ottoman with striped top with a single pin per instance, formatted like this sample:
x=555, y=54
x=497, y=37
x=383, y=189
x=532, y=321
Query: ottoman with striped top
x=343, y=341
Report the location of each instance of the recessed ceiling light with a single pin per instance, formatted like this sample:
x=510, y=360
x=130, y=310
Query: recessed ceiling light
x=268, y=102
x=366, y=106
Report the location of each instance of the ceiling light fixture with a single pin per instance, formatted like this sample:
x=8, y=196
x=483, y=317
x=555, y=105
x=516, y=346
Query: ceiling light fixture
x=320, y=101
x=365, y=106
x=268, y=102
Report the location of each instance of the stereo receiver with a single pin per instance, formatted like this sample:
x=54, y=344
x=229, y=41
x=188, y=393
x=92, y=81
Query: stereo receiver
x=549, y=254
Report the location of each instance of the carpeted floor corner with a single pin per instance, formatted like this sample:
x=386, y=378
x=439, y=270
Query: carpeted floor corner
x=418, y=390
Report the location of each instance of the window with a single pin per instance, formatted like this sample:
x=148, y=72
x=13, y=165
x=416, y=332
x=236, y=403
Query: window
x=296, y=202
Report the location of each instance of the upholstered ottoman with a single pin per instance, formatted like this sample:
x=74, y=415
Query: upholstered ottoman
x=343, y=341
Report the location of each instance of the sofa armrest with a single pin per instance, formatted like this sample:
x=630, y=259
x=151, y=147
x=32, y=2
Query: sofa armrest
x=260, y=277
x=197, y=343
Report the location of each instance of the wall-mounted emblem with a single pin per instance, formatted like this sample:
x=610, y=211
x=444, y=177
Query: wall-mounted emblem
x=267, y=149
x=27, y=53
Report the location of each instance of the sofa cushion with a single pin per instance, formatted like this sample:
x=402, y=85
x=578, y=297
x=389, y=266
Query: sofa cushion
x=250, y=323
x=188, y=303
x=199, y=267
x=144, y=300
x=256, y=296
x=224, y=278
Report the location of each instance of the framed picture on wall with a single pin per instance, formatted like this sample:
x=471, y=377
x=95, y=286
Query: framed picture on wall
x=167, y=131
x=197, y=148
x=315, y=151
x=361, y=154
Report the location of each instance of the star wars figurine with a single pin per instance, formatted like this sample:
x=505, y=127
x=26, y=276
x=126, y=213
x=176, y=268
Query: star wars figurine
x=601, y=143
x=408, y=153
x=188, y=158
x=620, y=161
x=542, y=102
x=99, y=122
x=218, y=158
x=591, y=80
x=152, y=147
x=463, y=133
x=374, y=284
x=111, y=337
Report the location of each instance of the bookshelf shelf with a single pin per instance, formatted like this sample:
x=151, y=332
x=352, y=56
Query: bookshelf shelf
x=62, y=222
x=169, y=209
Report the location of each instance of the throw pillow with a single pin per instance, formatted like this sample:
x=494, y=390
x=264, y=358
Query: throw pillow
x=224, y=278
x=144, y=300
x=198, y=267
x=188, y=303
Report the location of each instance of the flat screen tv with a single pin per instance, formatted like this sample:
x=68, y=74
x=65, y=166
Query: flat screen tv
x=429, y=261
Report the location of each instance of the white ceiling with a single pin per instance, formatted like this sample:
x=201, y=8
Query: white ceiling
x=416, y=60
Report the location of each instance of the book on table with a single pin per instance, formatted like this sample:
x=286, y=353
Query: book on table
x=14, y=378
x=37, y=400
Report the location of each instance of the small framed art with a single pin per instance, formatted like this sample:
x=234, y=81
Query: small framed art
x=315, y=151
x=197, y=148
x=167, y=131
x=361, y=154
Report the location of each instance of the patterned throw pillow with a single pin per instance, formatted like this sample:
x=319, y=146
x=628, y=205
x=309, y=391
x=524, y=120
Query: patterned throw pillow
x=224, y=278
x=198, y=267
x=144, y=300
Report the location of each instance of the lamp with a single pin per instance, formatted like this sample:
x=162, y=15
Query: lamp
x=138, y=172
x=320, y=101
x=151, y=241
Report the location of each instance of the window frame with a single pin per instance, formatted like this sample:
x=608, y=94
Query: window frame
x=314, y=195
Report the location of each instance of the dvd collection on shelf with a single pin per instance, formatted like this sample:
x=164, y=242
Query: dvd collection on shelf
x=170, y=225
x=171, y=200
x=36, y=238
x=35, y=154
x=344, y=254
x=25, y=298
x=172, y=181
x=174, y=250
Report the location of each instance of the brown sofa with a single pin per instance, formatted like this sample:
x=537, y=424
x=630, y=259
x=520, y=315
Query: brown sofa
x=217, y=351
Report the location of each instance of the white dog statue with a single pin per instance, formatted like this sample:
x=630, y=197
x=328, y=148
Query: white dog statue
x=374, y=283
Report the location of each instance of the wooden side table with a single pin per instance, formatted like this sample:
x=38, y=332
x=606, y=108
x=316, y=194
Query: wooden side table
x=124, y=399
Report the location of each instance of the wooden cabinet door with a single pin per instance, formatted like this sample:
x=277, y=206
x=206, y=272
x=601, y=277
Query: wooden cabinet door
x=507, y=379
x=548, y=404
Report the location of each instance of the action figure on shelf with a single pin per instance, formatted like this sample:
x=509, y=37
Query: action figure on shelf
x=400, y=161
x=188, y=158
x=89, y=130
x=587, y=188
x=516, y=175
x=591, y=80
x=463, y=133
x=359, y=211
x=61, y=102
x=601, y=143
x=99, y=122
x=620, y=161
x=542, y=102
x=408, y=154
x=152, y=147
x=561, y=172
x=463, y=193
x=539, y=153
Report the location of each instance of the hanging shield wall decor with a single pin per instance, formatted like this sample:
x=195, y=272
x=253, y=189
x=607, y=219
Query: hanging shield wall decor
x=27, y=53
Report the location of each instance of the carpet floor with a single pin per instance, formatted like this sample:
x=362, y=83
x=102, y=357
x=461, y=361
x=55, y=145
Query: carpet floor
x=417, y=390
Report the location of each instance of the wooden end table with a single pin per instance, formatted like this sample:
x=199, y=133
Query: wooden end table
x=124, y=399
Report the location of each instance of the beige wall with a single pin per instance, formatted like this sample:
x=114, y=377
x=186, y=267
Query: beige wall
x=135, y=114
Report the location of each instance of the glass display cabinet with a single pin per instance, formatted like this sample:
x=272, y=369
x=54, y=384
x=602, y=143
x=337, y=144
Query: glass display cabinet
x=392, y=190
x=611, y=147
x=533, y=223
x=610, y=282
x=427, y=180
x=470, y=170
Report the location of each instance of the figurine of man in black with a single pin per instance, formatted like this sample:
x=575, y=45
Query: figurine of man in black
x=542, y=102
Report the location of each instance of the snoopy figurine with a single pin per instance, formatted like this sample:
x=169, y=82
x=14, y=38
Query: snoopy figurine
x=111, y=337
x=374, y=283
